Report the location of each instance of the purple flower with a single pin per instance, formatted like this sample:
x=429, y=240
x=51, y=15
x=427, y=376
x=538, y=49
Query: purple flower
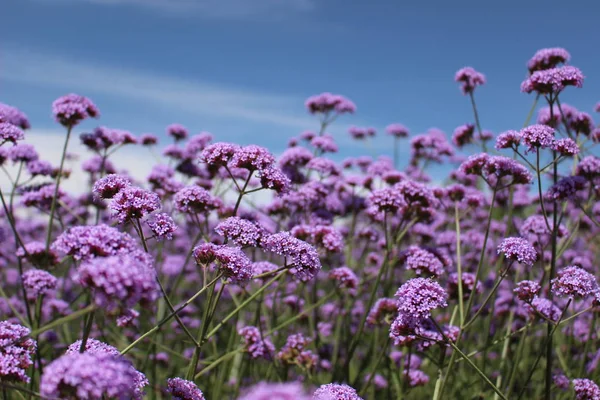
x=326, y=103
x=148, y=139
x=325, y=143
x=432, y=146
x=13, y=116
x=255, y=344
x=416, y=377
x=586, y=389
x=83, y=242
x=565, y=147
x=22, y=152
x=103, y=138
x=240, y=231
x=468, y=285
x=108, y=186
x=345, y=279
x=93, y=346
x=416, y=299
x=119, y=281
x=546, y=307
x=422, y=262
x=39, y=168
x=518, y=249
x=463, y=135
x=561, y=381
x=295, y=157
x=397, y=130
x=334, y=391
x=37, y=255
x=177, y=132
x=527, y=290
x=361, y=133
x=294, y=346
x=194, y=199
x=573, y=281
x=38, y=282
x=16, y=352
x=383, y=309
x=548, y=58
x=89, y=376
x=537, y=136
x=41, y=196
x=133, y=203
x=496, y=167
x=219, y=154
x=162, y=225
x=324, y=166
x=180, y=389
x=252, y=158
x=279, y=391
x=566, y=188
x=553, y=80
x=273, y=178
x=71, y=109
x=300, y=256
x=589, y=167
x=469, y=79
x=10, y=133
x=234, y=264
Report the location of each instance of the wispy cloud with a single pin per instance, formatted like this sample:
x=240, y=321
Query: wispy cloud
x=216, y=9
x=192, y=96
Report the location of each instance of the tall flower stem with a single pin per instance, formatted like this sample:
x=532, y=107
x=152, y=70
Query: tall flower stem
x=168, y=317
x=461, y=306
x=58, y=178
x=477, y=123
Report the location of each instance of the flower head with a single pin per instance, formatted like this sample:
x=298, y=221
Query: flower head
x=89, y=376
x=38, y=282
x=417, y=298
x=181, y=389
x=255, y=344
x=16, y=352
x=537, y=136
x=14, y=116
x=71, y=109
x=119, y=281
x=83, y=242
x=469, y=79
x=162, y=225
x=10, y=133
x=301, y=256
x=177, y=132
x=397, y=130
x=133, y=203
x=194, y=199
x=518, y=249
x=327, y=103
x=548, y=58
x=334, y=391
x=240, y=231
x=527, y=290
x=108, y=186
x=573, y=281
x=279, y=391
x=552, y=80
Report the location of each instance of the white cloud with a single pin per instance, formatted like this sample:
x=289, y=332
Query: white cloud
x=192, y=96
x=216, y=9
x=49, y=144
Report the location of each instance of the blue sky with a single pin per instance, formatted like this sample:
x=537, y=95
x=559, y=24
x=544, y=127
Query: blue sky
x=242, y=69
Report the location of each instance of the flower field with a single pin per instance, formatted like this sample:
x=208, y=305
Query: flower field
x=234, y=273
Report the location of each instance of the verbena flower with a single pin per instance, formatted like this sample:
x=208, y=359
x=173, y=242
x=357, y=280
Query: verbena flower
x=219, y=154
x=16, y=352
x=469, y=79
x=527, y=290
x=537, y=136
x=300, y=256
x=416, y=299
x=252, y=158
x=119, y=281
x=552, y=80
x=162, y=225
x=38, y=282
x=181, y=389
x=586, y=389
x=255, y=344
x=463, y=135
x=83, y=242
x=573, y=281
x=397, y=130
x=14, y=116
x=566, y=188
x=279, y=391
x=71, y=109
x=548, y=58
x=518, y=249
x=177, y=132
x=10, y=133
x=240, y=231
x=93, y=346
x=421, y=261
x=132, y=203
x=382, y=310
x=328, y=103
x=89, y=376
x=194, y=199
x=345, y=279
x=334, y=391
x=108, y=186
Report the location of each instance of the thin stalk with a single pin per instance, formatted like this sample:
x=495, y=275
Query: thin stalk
x=242, y=305
x=58, y=178
x=461, y=306
x=64, y=320
x=168, y=317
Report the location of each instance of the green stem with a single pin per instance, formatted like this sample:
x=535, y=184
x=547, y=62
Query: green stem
x=168, y=317
x=64, y=320
x=461, y=306
x=58, y=178
x=242, y=305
